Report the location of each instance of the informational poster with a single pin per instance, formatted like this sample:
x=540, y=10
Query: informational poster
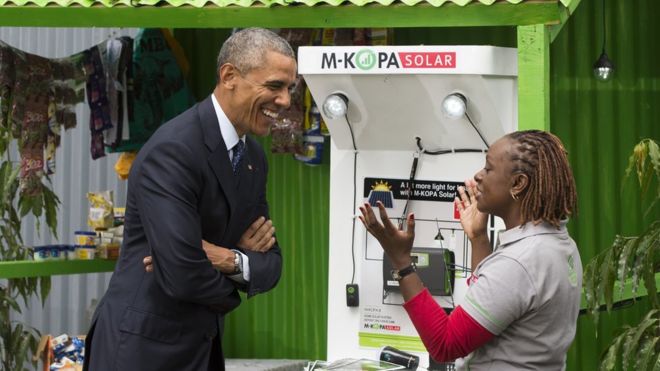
x=440, y=251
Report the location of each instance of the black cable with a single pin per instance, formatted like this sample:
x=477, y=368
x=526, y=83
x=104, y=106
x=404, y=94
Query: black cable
x=477, y=130
x=446, y=151
x=411, y=181
x=354, y=196
x=604, y=30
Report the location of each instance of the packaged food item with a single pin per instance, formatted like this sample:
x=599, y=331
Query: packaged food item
x=84, y=238
x=119, y=214
x=313, y=150
x=85, y=252
x=67, y=353
x=101, y=215
x=56, y=252
x=109, y=251
x=71, y=252
x=41, y=253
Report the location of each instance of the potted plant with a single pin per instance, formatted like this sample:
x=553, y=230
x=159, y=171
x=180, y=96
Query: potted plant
x=18, y=341
x=632, y=259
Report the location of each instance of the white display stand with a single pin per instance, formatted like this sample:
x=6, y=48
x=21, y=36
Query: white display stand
x=394, y=96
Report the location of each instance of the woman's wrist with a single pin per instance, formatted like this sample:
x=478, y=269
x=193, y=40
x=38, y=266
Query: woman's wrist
x=480, y=241
x=401, y=262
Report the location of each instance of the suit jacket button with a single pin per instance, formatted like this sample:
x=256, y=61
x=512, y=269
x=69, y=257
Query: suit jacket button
x=209, y=336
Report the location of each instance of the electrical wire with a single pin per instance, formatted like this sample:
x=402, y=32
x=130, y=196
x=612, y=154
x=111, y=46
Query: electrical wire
x=476, y=129
x=355, y=152
x=445, y=151
x=604, y=30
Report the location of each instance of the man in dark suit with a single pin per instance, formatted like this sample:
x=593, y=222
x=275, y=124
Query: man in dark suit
x=197, y=205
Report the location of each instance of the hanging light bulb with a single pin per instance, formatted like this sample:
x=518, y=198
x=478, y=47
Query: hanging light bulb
x=603, y=68
x=335, y=105
x=454, y=106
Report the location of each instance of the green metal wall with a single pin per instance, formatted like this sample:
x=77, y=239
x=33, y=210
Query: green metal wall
x=598, y=122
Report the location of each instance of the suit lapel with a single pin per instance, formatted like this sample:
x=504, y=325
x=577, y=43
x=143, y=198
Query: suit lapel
x=219, y=158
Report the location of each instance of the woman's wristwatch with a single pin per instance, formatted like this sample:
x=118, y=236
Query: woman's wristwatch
x=398, y=274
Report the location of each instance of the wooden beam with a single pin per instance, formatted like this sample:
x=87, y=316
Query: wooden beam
x=564, y=14
x=533, y=77
x=295, y=16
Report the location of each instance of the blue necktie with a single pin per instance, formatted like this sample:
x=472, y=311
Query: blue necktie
x=238, y=152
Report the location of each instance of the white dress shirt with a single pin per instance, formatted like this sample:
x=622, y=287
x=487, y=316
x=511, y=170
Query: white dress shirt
x=231, y=137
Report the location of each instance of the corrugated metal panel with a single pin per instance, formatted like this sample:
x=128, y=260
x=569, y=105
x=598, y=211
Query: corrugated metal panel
x=76, y=174
x=600, y=123
x=290, y=321
x=258, y=3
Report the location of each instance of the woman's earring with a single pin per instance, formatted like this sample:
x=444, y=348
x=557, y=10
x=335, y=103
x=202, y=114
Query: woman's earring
x=514, y=196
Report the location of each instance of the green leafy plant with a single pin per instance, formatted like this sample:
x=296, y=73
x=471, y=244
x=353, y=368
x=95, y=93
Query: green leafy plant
x=633, y=259
x=19, y=341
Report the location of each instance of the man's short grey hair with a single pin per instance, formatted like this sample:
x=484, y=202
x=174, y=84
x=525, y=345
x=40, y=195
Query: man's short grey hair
x=246, y=49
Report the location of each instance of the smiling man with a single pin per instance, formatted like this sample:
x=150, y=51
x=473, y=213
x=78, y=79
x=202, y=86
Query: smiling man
x=197, y=206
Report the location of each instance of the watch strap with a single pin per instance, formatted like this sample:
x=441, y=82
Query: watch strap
x=238, y=262
x=398, y=274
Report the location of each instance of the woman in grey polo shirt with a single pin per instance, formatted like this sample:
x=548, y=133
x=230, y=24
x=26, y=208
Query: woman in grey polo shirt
x=521, y=308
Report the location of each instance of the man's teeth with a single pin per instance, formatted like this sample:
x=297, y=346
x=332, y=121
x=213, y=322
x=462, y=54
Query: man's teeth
x=270, y=114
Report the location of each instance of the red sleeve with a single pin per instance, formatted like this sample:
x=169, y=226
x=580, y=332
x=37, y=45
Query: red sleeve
x=445, y=337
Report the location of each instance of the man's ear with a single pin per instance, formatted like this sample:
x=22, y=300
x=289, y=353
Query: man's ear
x=520, y=183
x=228, y=75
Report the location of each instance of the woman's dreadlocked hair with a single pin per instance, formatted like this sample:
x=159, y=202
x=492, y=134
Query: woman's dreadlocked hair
x=551, y=194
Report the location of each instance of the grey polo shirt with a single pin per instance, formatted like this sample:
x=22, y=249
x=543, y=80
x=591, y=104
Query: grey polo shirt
x=527, y=293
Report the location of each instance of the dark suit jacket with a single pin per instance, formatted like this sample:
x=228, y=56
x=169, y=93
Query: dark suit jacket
x=181, y=190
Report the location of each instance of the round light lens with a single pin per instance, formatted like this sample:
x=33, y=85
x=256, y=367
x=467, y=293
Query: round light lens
x=335, y=106
x=603, y=73
x=603, y=68
x=454, y=106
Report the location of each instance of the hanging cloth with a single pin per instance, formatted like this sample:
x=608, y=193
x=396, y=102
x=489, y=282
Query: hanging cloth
x=36, y=98
x=160, y=91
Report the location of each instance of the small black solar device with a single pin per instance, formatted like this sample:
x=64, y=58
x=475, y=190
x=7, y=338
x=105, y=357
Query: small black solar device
x=435, y=267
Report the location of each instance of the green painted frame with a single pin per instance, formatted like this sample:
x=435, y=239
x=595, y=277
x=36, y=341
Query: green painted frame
x=537, y=22
x=293, y=16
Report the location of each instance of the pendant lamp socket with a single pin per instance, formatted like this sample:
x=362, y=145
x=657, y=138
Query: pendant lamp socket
x=603, y=68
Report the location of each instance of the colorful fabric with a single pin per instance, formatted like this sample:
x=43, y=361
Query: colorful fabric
x=159, y=88
x=97, y=99
x=118, y=58
x=36, y=98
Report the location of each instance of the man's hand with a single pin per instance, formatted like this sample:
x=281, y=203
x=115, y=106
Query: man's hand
x=148, y=264
x=259, y=236
x=221, y=258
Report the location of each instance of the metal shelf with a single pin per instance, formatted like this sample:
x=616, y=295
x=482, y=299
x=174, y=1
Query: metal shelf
x=29, y=268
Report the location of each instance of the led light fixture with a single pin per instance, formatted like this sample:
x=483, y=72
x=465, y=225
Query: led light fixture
x=454, y=106
x=603, y=68
x=335, y=105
